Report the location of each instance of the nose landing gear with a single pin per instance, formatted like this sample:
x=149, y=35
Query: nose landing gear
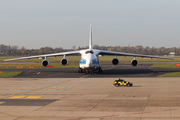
x=86, y=71
x=89, y=71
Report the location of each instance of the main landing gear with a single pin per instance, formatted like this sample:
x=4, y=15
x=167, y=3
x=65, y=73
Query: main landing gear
x=100, y=70
x=80, y=70
x=90, y=71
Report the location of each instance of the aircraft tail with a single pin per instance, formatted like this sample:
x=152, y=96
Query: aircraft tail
x=90, y=38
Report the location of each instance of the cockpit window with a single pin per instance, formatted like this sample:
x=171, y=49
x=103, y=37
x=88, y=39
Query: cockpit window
x=90, y=51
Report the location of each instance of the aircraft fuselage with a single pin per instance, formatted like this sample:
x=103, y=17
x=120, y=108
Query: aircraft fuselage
x=89, y=60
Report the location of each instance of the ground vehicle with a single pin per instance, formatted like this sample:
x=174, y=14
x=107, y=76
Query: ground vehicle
x=122, y=83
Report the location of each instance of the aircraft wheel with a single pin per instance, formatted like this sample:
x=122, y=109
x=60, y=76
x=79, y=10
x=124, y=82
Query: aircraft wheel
x=79, y=70
x=87, y=72
x=92, y=73
x=100, y=70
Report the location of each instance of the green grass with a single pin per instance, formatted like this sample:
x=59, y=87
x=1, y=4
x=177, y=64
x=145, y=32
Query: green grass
x=34, y=66
x=165, y=65
x=9, y=74
x=173, y=74
x=168, y=65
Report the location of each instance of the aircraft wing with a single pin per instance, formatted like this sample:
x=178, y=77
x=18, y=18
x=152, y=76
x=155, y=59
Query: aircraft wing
x=47, y=55
x=101, y=52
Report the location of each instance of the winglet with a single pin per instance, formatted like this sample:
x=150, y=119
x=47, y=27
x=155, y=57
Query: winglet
x=90, y=38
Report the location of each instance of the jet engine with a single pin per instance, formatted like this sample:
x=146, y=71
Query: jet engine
x=45, y=63
x=115, y=61
x=64, y=61
x=134, y=62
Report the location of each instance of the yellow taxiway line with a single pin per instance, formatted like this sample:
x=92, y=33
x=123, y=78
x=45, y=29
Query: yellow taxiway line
x=33, y=97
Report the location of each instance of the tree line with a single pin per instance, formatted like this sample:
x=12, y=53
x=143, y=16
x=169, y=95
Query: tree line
x=7, y=50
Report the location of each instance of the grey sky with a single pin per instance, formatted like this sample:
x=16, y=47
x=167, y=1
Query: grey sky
x=64, y=23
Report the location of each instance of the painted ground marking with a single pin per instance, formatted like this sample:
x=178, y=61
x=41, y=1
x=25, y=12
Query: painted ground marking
x=170, y=109
x=36, y=97
x=142, y=112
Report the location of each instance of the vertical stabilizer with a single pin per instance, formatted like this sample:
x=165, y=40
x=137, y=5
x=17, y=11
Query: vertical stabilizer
x=90, y=38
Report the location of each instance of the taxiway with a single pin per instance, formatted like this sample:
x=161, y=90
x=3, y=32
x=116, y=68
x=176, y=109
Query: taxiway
x=109, y=70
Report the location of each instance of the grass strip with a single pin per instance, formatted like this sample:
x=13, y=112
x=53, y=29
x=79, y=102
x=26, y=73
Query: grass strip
x=172, y=74
x=9, y=74
x=165, y=65
x=35, y=66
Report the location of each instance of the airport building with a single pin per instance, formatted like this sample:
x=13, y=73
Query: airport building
x=172, y=54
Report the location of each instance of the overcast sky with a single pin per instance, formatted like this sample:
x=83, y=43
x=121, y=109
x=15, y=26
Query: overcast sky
x=65, y=23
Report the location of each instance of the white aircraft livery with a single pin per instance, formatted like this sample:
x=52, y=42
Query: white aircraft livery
x=89, y=62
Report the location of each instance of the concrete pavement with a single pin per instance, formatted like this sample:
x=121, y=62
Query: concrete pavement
x=89, y=99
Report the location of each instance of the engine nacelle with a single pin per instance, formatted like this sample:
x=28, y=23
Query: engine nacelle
x=134, y=62
x=115, y=61
x=64, y=61
x=45, y=63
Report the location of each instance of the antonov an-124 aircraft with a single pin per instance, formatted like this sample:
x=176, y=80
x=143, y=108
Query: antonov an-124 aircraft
x=89, y=62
